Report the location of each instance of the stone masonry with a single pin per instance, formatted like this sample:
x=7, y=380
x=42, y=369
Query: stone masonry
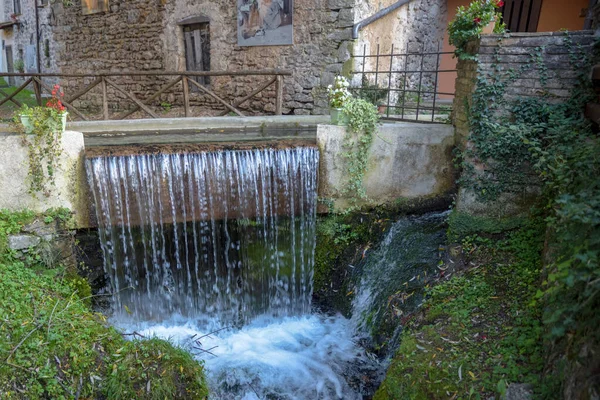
x=24, y=43
x=144, y=35
x=515, y=51
x=141, y=35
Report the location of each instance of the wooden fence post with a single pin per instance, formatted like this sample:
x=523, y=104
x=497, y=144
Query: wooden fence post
x=279, y=95
x=104, y=100
x=186, y=95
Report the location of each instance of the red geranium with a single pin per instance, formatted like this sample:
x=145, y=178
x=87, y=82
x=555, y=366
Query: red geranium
x=55, y=101
x=477, y=20
x=500, y=3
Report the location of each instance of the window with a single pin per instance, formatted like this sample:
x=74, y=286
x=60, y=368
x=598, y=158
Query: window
x=196, y=39
x=17, y=6
x=521, y=15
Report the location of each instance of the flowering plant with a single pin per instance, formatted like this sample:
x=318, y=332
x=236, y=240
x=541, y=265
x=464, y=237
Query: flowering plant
x=55, y=102
x=469, y=23
x=338, y=93
x=42, y=129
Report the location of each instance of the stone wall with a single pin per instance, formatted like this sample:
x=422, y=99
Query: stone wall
x=522, y=53
x=141, y=35
x=415, y=27
x=52, y=241
x=23, y=36
x=407, y=163
x=71, y=183
x=496, y=54
x=127, y=38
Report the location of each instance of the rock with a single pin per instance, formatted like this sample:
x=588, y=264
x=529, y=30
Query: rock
x=519, y=391
x=346, y=17
x=20, y=242
x=40, y=228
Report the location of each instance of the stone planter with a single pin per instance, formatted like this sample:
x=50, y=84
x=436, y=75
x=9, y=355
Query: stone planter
x=28, y=124
x=338, y=117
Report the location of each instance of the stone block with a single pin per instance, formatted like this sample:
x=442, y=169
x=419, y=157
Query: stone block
x=406, y=160
x=339, y=4
x=40, y=228
x=20, y=242
x=346, y=17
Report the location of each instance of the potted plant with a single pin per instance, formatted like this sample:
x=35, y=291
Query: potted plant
x=482, y=16
x=19, y=66
x=42, y=129
x=338, y=95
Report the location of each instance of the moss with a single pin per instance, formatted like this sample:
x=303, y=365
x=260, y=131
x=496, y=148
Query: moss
x=461, y=225
x=178, y=375
x=479, y=330
x=54, y=346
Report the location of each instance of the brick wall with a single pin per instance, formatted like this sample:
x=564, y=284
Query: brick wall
x=497, y=54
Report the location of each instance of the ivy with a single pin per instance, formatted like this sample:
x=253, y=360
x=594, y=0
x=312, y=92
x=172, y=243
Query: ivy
x=42, y=136
x=540, y=142
x=362, y=123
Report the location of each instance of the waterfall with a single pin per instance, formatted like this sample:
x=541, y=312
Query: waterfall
x=227, y=234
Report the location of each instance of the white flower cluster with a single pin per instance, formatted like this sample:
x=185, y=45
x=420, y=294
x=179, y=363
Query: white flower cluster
x=338, y=93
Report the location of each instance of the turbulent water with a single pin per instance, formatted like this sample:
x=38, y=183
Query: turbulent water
x=395, y=274
x=215, y=252
x=226, y=234
x=307, y=357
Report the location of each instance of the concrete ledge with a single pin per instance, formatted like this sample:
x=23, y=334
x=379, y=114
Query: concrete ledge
x=197, y=124
x=406, y=161
x=71, y=187
x=198, y=130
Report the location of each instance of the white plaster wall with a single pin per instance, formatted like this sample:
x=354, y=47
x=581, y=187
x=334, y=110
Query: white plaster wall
x=406, y=161
x=70, y=190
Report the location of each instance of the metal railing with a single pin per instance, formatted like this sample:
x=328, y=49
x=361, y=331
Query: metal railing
x=178, y=83
x=406, y=85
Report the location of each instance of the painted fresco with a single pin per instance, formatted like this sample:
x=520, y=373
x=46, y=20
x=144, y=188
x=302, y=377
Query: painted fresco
x=265, y=22
x=93, y=6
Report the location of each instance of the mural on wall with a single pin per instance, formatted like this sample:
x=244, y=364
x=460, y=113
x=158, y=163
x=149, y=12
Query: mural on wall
x=93, y=6
x=265, y=22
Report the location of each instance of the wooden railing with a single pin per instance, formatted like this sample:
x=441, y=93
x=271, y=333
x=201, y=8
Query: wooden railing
x=107, y=79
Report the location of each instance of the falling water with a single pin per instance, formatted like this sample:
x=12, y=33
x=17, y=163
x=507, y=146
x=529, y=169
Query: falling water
x=226, y=234
x=220, y=246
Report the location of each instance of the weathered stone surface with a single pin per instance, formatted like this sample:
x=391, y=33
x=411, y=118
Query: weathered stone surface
x=406, y=161
x=519, y=391
x=71, y=187
x=40, y=228
x=141, y=35
x=20, y=242
x=518, y=52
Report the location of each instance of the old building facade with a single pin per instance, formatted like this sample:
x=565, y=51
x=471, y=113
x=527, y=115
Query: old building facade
x=163, y=35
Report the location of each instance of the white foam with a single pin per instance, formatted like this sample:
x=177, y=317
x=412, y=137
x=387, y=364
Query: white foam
x=287, y=358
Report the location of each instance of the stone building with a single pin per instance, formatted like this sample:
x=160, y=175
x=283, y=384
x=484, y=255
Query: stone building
x=160, y=35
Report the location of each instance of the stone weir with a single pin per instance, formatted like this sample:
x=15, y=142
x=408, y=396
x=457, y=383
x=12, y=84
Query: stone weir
x=146, y=184
x=174, y=219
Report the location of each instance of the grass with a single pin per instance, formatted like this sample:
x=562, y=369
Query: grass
x=479, y=330
x=8, y=109
x=54, y=346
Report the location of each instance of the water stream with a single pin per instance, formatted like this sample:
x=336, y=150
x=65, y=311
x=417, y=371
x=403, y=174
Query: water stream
x=215, y=252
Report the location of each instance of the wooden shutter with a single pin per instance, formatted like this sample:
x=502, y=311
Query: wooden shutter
x=521, y=15
x=197, y=49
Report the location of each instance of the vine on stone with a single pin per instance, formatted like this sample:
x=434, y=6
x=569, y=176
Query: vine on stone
x=42, y=129
x=362, y=123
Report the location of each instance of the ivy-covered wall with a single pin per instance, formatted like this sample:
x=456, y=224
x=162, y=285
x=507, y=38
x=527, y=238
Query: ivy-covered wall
x=508, y=68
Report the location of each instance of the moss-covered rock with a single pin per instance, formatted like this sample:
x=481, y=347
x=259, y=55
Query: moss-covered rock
x=481, y=329
x=52, y=346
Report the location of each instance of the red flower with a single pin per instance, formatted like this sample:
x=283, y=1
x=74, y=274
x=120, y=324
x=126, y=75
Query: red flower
x=477, y=20
x=500, y=3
